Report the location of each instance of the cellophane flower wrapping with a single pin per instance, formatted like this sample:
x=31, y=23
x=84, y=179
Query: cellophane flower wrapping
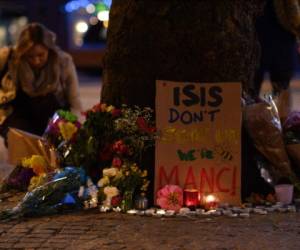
x=61, y=134
x=48, y=198
x=263, y=124
x=62, y=127
x=291, y=131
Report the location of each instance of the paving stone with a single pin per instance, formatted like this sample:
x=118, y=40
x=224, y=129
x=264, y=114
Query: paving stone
x=27, y=245
x=32, y=240
x=38, y=235
x=8, y=240
x=7, y=245
x=18, y=230
x=44, y=231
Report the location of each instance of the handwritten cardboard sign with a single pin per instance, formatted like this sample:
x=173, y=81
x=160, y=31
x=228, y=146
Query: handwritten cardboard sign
x=200, y=143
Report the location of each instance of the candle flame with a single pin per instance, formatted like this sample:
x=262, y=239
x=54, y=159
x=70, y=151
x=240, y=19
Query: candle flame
x=210, y=198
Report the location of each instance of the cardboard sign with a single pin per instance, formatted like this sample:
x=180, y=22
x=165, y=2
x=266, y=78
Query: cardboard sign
x=200, y=143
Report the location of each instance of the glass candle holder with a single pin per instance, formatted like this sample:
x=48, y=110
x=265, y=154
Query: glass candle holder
x=210, y=202
x=141, y=202
x=191, y=197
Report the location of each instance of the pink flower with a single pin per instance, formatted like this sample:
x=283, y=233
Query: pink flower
x=170, y=197
x=116, y=200
x=142, y=124
x=117, y=162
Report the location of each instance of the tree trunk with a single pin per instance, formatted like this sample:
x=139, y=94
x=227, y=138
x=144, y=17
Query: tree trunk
x=198, y=41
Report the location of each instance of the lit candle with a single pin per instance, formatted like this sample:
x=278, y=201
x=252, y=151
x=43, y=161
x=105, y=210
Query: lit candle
x=211, y=202
x=191, y=197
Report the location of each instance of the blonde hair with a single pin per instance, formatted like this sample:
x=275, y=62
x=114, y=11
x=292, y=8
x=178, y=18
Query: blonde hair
x=32, y=34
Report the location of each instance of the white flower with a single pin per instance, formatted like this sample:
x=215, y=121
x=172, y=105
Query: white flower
x=111, y=191
x=110, y=172
x=103, y=181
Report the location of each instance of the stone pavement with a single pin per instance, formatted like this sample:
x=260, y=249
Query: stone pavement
x=111, y=231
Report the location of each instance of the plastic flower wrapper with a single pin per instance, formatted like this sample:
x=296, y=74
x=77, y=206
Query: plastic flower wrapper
x=263, y=124
x=170, y=197
x=62, y=127
x=48, y=198
x=18, y=179
x=291, y=131
x=88, y=193
x=291, y=128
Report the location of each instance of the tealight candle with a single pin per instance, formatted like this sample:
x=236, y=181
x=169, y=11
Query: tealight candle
x=211, y=202
x=191, y=197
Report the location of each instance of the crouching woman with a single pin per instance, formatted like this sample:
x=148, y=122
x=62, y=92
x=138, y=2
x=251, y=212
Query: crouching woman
x=37, y=78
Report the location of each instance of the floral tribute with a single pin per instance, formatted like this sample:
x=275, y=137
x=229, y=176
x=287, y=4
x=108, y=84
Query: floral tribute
x=109, y=146
x=29, y=174
x=119, y=184
x=39, y=167
x=111, y=136
x=106, y=149
x=62, y=128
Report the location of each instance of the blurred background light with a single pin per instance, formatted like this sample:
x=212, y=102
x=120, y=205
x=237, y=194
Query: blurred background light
x=103, y=15
x=90, y=8
x=81, y=27
x=93, y=20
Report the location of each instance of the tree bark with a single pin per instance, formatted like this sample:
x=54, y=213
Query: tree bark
x=197, y=41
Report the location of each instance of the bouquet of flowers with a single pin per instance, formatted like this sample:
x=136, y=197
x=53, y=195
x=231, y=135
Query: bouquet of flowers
x=111, y=133
x=50, y=197
x=39, y=167
x=31, y=173
x=120, y=184
x=62, y=128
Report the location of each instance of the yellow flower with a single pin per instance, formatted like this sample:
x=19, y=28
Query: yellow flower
x=26, y=162
x=110, y=172
x=110, y=108
x=37, y=181
x=103, y=181
x=67, y=130
x=134, y=168
x=111, y=191
x=38, y=164
x=145, y=185
x=144, y=173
